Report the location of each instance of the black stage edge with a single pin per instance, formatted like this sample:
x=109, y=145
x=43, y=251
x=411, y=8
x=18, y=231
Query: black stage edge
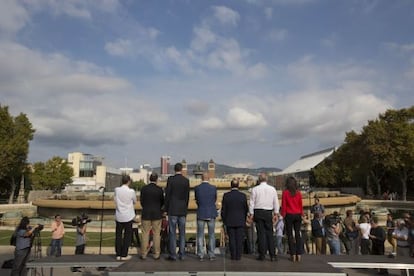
x=248, y=265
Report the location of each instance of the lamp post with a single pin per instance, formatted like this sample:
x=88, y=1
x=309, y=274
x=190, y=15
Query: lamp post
x=102, y=214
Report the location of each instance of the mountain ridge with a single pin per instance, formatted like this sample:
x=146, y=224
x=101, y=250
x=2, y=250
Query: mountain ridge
x=222, y=169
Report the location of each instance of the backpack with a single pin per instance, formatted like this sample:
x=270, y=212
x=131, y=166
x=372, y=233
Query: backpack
x=13, y=238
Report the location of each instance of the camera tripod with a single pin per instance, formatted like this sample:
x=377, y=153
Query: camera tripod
x=36, y=252
x=37, y=245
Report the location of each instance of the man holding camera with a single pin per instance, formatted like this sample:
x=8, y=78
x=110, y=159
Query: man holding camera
x=80, y=223
x=81, y=237
x=24, y=237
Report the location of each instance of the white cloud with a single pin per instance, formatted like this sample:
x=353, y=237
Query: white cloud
x=258, y=71
x=197, y=107
x=268, y=11
x=277, y=34
x=120, y=47
x=212, y=124
x=400, y=48
x=240, y=118
x=331, y=41
x=13, y=17
x=203, y=37
x=71, y=103
x=226, y=15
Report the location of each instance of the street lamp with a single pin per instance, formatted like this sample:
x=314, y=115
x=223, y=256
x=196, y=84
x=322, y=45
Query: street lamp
x=102, y=214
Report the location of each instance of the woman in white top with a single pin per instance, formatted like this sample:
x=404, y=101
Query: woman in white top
x=365, y=228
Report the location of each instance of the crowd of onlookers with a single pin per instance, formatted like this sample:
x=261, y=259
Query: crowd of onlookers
x=351, y=234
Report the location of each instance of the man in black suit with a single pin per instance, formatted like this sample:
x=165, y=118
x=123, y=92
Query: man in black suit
x=152, y=201
x=234, y=210
x=177, y=194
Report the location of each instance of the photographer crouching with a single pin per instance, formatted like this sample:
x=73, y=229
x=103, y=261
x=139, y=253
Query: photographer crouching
x=80, y=223
x=24, y=237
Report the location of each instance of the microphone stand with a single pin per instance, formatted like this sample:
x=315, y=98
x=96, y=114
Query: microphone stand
x=102, y=214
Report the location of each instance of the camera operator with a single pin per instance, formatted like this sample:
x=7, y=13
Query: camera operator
x=80, y=223
x=333, y=229
x=24, y=237
x=81, y=236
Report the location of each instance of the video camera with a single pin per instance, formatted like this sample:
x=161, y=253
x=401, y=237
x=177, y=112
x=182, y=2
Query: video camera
x=81, y=220
x=38, y=228
x=332, y=219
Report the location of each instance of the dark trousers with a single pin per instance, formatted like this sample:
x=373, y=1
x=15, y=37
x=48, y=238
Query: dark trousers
x=264, y=228
x=236, y=238
x=80, y=249
x=365, y=247
x=20, y=259
x=123, y=238
x=293, y=222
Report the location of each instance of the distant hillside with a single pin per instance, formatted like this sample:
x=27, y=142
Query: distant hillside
x=224, y=169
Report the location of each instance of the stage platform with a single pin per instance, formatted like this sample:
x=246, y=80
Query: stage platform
x=248, y=265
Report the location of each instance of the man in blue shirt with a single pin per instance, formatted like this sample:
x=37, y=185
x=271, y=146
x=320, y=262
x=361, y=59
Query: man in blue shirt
x=206, y=196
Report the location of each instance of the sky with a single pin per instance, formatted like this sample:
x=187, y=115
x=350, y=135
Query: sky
x=246, y=83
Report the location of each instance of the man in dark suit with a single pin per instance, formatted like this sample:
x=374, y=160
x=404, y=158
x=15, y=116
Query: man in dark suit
x=206, y=196
x=234, y=210
x=152, y=201
x=177, y=194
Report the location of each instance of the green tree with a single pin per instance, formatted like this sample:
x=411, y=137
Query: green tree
x=52, y=175
x=384, y=147
x=137, y=185
x=389, y=141
x=15, y=134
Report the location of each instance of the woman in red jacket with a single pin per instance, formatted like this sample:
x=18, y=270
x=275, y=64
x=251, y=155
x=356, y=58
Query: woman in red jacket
x=292, y=211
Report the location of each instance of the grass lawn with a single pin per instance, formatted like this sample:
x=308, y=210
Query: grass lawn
x=93, y=238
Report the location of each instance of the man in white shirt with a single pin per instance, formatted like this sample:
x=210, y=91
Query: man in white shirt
x=264, y=208
x=125, y=199
x=401, y=235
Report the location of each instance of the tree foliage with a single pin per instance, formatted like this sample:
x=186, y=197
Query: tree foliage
x=383, y=149
x=137, y=185
x=15, y=134
x=54, y=174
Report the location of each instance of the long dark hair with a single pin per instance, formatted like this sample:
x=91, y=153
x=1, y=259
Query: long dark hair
x=24, y=222
x=291, y=185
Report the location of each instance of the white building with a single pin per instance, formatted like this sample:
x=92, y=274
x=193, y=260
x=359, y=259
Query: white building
x=89, y=173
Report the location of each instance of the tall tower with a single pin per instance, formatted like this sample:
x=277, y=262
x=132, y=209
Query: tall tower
x=165, y=164
x=185, y=169
x=211, y=169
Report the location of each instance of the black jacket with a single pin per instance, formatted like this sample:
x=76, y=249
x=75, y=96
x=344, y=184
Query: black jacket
x=152, y=202
x=177, y=194
x=234, y=208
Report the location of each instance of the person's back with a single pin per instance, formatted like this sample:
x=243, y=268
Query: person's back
x=177, y=195
x=234, y=208
x=152, y=201
x=125, y=199
x=206, y=196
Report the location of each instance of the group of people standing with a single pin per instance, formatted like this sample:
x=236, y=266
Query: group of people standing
x=273, y=222
x=236, y=210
